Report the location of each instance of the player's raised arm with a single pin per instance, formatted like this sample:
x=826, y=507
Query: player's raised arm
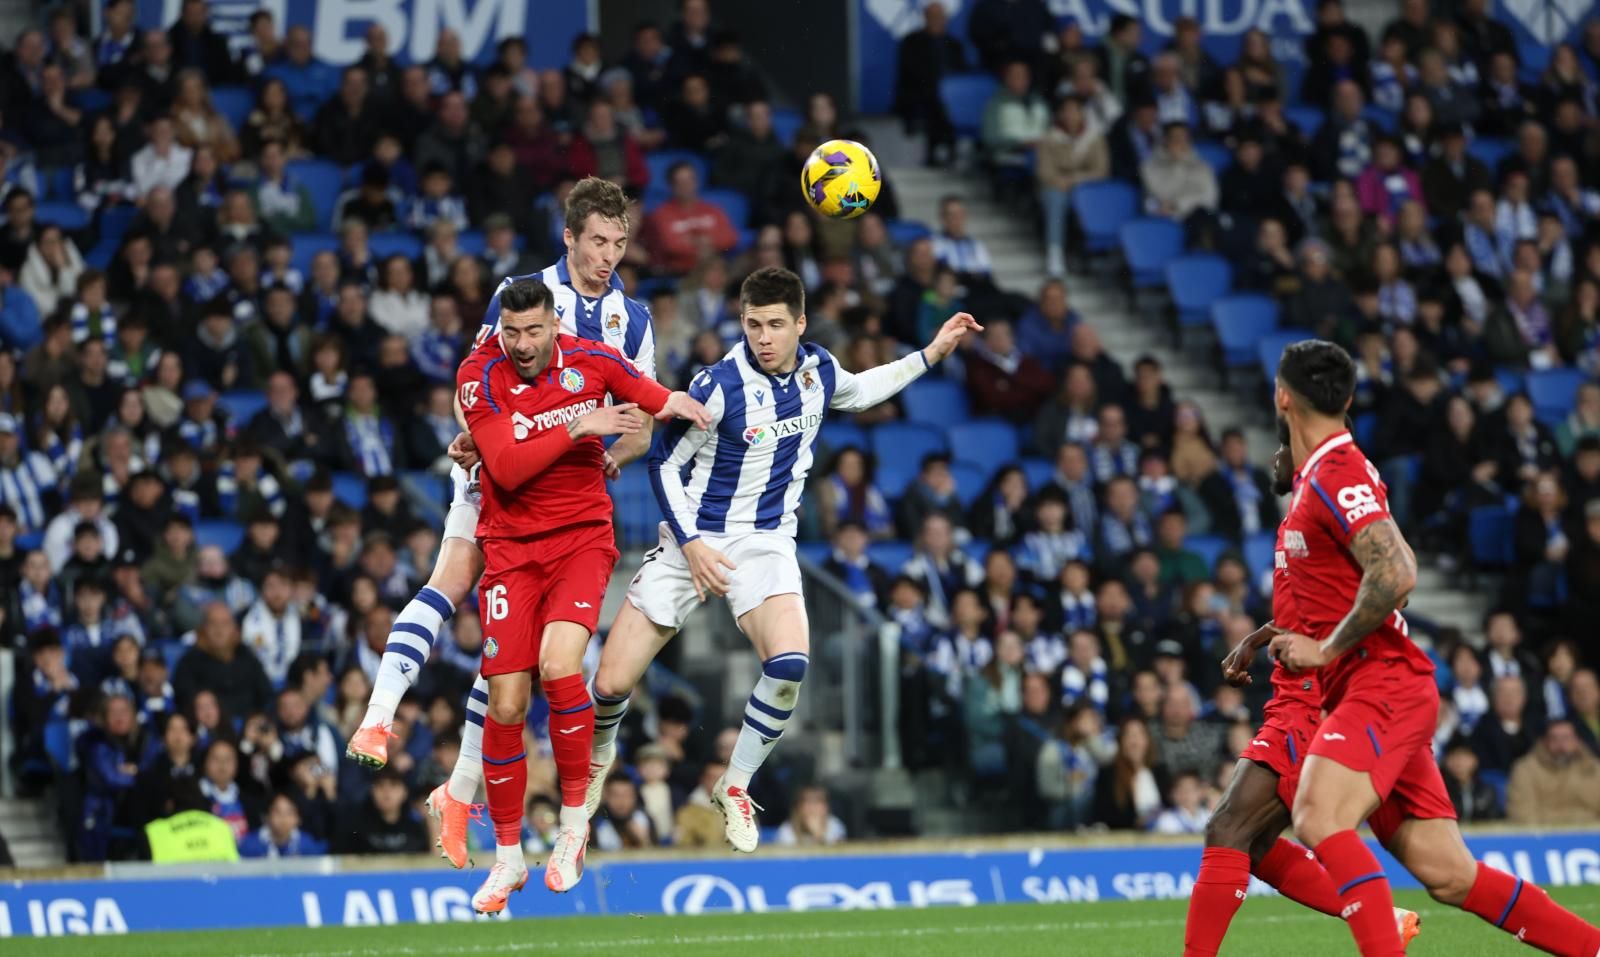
x=1236, y=663
x=864, y=390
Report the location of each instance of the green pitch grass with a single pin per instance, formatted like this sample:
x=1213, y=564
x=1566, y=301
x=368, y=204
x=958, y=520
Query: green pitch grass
x=1268, y=927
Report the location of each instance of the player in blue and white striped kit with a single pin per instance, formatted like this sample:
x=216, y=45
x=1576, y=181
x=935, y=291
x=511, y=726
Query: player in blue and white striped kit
x=589, y=303
x=729, y=496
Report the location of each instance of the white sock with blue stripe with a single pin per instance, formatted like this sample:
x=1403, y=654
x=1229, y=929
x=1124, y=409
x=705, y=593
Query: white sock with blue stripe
x=766, y=714
x=416, y=628
x=608, y=715
x=467, y=775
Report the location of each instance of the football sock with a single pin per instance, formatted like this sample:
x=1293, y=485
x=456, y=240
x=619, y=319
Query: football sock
x=1218, y=891
x=608, y=715
x=1527, y=913
x=571, y=735
x=766, y=714
x=510, y=854
x=410, y=643
x=505, y=779
x=468, y=772
x=1295, y=873
x=1364, y=892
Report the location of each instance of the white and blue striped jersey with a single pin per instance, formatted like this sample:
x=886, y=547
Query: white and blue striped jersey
x=614, y=319
x=747, y=471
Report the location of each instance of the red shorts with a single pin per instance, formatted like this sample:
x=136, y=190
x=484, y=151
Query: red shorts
x=1384, y=726
x=528, y=583
x=1281, y=745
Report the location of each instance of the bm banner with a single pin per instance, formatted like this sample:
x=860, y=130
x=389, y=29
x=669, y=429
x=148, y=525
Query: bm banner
x=339, y=27
x=700, y=886
x=1538, y=25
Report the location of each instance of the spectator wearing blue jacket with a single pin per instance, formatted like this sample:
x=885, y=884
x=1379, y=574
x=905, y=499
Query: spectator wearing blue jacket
x=21, y=326
x=308, y=81
x=110, y=754
x=281, y=836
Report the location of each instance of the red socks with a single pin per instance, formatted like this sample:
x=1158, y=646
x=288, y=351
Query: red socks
x=1528, y=913
x=1295, y=873
x=1218, y=891
x=505, y=776
x=1368, y=902
x=571, y=735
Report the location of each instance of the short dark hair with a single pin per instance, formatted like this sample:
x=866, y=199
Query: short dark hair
x=770, y=285
x=525, y=294
x=1320, y=373
x=597, y=196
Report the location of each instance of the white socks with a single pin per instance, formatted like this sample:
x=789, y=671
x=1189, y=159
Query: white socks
x=766, y=714
x=467, y=775
x=410, y=643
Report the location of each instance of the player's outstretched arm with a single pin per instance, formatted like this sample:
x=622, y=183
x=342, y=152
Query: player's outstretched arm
x=880, y=383
x=1388, y=573
x=1236, y=664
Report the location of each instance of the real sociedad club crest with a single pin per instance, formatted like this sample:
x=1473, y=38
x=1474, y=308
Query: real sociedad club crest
x=490, y=647
x=571, y=380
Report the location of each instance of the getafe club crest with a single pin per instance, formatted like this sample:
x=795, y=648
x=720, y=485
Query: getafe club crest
x=571, y=380
x=490, y=647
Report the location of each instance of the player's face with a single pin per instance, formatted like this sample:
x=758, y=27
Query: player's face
x=529, y=339
x=773, y=334
x=1282, y=471
x=594, y=255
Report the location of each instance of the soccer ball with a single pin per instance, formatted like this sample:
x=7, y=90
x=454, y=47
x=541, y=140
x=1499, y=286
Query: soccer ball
x=841, y=179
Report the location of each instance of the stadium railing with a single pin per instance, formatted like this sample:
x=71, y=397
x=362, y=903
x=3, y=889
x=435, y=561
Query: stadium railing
x=850, y=644
x=8, y=690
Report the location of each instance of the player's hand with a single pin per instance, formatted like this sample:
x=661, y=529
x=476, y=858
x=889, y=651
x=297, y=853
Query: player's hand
x=463, y=451
x=606, y=420
x=1298, y=652
x=1236, y=664
x=950, y=335
x=705, y=568
x=681, y=406
x=610, y=467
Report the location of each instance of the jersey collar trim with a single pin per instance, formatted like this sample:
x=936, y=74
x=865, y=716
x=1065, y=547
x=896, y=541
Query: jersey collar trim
x=1328, y=445
x=565, y=277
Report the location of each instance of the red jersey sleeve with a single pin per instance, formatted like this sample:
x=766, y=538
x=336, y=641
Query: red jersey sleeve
x=1352, y=493
x=624, y=380
x=510, y=456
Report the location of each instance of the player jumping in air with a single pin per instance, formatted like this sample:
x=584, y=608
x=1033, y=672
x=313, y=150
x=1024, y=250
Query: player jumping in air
x=535, y=405
x=589, y=304
x=729, y=496
x=1346, y=571
x=1244, y=837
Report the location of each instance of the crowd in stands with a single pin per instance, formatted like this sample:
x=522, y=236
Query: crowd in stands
x=226, y=378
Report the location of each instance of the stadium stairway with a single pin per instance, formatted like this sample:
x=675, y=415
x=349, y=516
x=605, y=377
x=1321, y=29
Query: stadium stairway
x=29, y=828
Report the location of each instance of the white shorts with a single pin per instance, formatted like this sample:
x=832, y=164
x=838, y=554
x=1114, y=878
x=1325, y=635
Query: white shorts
x=664, y=591
x=465, y=501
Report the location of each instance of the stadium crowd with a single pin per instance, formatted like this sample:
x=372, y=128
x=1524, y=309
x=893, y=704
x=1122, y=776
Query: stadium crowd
x=225, y=398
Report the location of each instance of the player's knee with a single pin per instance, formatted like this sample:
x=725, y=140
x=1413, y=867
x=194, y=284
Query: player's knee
x=787, y=671
x=1448, y=882
x=1225, y=829
x=608, y=686
x=1311, y=824
x=508, y=709
x=553, y=667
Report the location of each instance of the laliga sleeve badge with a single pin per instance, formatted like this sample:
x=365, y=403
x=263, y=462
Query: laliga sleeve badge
x=490, y=647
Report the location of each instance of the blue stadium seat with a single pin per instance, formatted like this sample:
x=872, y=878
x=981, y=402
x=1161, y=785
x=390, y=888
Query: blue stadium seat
x=1308, y=118
x=30, y=542
x=220, y=532
x=1216, y=155
x=935, y=401
x=1269, y=349
x=64, y=213
x=350, y=488
x=1554, y=393
x=241, y=405
x=785, y=124
x=638, y=516
x=172, y=652
x=970, y=480
x=965, y=96
x=1491, y=537
x=1208, y=547
x=904, y=232
x=431, y=485
x=661, y=161
x=986, y=443
x=1102, y=208
x=324, y=180
x=1239, y=321
x=471, y=242
x=305, y=246
x=814, y=552
x=1366, y=426
x=234, y=103
x=384, y=245
x=1499, y=780
x=1490, y=151
x=894, y=475
x=1040, y=472
x=1379, y=117
x=978, y=549
x=1148, y=244
x=58, y=743
x=890, y=555
x=59, y=184
x=1258, y=549
x=1195, y=282
x=1511, y=381
x=844, y=435
x=101, y=255
x=115, y=220
x=732, y=202
x=905, y=442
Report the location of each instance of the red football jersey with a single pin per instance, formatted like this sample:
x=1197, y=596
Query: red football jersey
x=535, y=479
x=1315, y=578
x=1291, y=690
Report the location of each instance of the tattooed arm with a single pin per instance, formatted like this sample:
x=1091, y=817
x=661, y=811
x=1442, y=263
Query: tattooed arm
x=1388, y=573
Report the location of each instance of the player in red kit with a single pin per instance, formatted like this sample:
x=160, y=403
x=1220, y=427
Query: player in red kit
x=1243, y=836
x=535, y=405
x=1345, y=571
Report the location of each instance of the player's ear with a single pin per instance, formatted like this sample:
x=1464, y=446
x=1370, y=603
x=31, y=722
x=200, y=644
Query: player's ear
x=800, y=323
